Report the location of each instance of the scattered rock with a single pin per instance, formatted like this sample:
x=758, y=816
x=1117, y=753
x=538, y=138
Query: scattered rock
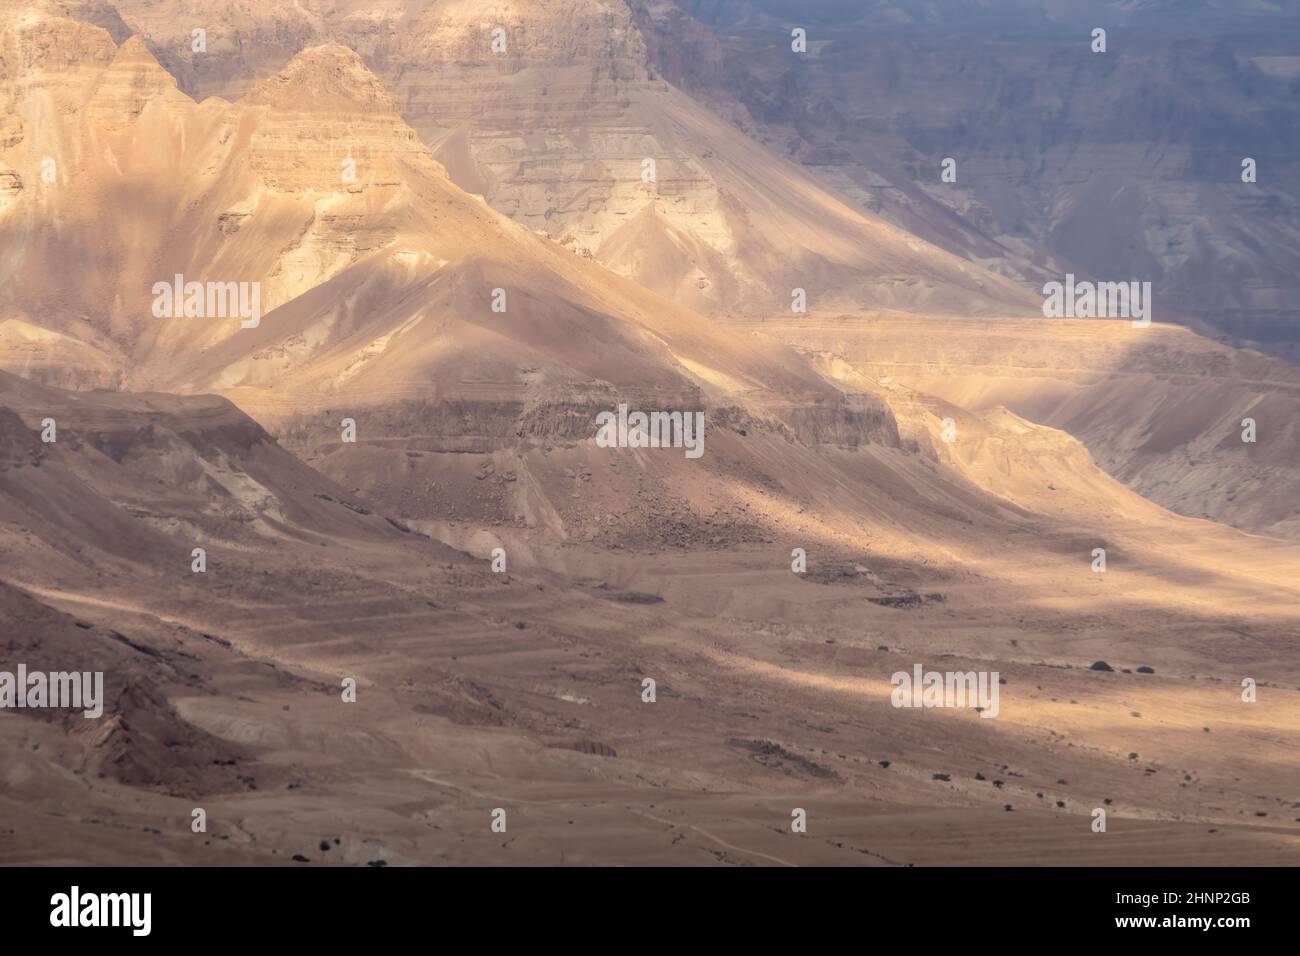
x=775, y=757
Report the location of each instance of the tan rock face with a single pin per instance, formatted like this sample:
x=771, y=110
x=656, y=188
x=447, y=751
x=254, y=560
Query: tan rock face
x=54, y=55
x=377, y=279
x=130, y=83
x=564, y=127
x=11, y=187
x=331, y=118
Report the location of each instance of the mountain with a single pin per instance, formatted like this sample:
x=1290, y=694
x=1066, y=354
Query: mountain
x=559, y=131
x=1120, y=165
x=377, y=294
x=350, y=274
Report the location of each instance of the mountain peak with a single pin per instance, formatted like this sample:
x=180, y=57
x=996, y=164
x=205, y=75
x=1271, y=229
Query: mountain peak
x=130, y=81
x=326, y=78
x=134, y=56
x=134, y=50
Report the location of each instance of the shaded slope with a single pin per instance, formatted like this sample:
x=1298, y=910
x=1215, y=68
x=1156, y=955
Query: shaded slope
x=1161, y=408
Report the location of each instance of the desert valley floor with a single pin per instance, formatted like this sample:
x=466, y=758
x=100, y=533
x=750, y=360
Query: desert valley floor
x=523, y=690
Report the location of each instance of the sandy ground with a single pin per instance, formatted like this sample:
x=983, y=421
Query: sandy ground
x=460, y=711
